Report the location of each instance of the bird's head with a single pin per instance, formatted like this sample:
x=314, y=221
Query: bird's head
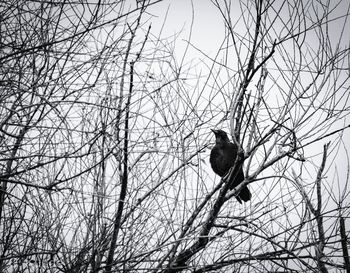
x=220, y=136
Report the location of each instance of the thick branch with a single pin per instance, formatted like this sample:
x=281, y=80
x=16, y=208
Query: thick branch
x=181, y=260
x=344, y=246
x=319, y=249
x=122, y=195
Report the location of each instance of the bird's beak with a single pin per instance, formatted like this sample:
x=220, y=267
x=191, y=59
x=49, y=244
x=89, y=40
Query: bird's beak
x=214, y=131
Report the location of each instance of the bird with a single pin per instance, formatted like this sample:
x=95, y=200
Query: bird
x=222, y=158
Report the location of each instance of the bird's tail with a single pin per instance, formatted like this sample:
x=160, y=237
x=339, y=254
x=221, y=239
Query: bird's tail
x=245, y=194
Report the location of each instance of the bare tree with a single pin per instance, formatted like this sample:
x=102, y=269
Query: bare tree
x=105, y=139
x=288, y=93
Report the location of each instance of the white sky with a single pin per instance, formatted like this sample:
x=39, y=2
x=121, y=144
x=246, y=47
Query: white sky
x=208, y=31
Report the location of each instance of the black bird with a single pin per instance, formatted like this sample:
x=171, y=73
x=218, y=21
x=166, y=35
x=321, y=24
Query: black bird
x=222, y=158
